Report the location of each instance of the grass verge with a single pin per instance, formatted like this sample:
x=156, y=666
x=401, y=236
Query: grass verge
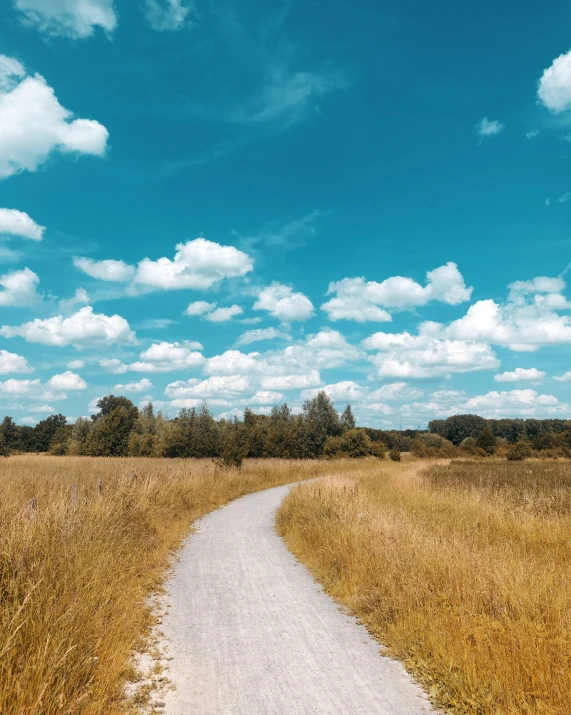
x=462, y=571
x=76, y=572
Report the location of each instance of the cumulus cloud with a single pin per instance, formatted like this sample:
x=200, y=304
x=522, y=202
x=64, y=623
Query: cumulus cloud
x=422, y=356
x=197, y=264
x=489, y=127
x=143, y=385
x=199, y=307
x=292, y=382
x=523, y=403
x=82, y=329
x=68, y=380
x=112, y=365
x=531, y=374
x=253, y=336
x=108, y=270
x=361, y=300
x=18, y=223
x=529, y=319
x=554, y=89
x=163, y=15
x=30, y=389
x=19, y=288
x=566, y=377
x=395, y=391
x=345, y=391
x=212, y=386
x=166, y=357
x=80, y=297
x=223, y=315
x=76, y=364
x=283, y=303
x=33, y=124
x=76, y=19
x=11, y=362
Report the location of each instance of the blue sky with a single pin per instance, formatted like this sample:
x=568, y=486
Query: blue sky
x=246, y=202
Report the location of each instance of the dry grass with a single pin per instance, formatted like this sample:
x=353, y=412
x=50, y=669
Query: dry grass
x=75, y=578
x=464, y=573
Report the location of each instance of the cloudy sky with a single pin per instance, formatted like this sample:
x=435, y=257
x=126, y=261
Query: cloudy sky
x=245, y=202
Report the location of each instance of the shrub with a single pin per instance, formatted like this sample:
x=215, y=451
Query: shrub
x=394, y=454
x=518, y=452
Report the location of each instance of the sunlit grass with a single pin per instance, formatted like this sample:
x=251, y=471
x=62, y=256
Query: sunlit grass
x=75, y=574
x=464, y=574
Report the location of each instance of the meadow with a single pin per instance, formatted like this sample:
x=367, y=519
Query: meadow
x=84, y=542
x=461, y=570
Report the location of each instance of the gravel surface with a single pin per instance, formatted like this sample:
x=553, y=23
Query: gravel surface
x=251, y=633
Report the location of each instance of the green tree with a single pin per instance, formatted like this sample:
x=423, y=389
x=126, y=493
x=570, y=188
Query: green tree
x=46, y=430
x=347, y=418
x=486, y=440
x=110, y=434
x=9, y=431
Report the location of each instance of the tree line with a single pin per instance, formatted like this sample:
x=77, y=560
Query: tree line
x=120, y=429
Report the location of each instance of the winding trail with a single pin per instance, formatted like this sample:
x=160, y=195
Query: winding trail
x=251, y=633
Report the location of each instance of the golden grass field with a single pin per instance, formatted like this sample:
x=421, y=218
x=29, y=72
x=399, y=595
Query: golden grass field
x=75, y=577
x=462, y=571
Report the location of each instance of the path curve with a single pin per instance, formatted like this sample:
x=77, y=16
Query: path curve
x=251, y=633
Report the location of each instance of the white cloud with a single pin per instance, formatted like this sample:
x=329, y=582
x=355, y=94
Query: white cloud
x=528, y=320
x=76, y=19
x=345, y=391
x=554, y=88
x=42, y=408
x=199, y=307
x=566, y=377
x=80, y=297
x=68, y=380
x=76, y=364
x=29, y=421
x=292, y=382
x=166, y=357
x=525, y=403
x=422, y=356
x=167, y=14
x=143, y=385
x=222, y=315
x=283, y=303
x=532, y=134
x=112, y=365
x=33, y=124
x=564, y=198
x=29, y=388
x=253, y=336
x=18, y=223
x=84, y=328
x=227, y=385
x=232, y=362
x=108, y=270
x=531, y=374
x=198, y=264
x=489, y=127
x=361, y=300
x=11, y=362
x=19, y=288
x=395, y=391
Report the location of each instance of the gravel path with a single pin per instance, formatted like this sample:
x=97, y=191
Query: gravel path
x=250, y=633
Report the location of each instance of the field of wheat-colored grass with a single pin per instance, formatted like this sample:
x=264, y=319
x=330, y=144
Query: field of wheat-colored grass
x=462, y=571
x=76, y=572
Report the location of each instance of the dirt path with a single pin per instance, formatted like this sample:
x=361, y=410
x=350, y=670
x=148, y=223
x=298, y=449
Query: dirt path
x=250, y=633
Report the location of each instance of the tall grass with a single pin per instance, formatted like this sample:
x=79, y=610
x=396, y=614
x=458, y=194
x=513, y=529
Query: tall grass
x=75, y=575
x=463, y=572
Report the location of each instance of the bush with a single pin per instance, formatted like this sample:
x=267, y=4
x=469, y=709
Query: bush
x=394, y=454
x=518, y=452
